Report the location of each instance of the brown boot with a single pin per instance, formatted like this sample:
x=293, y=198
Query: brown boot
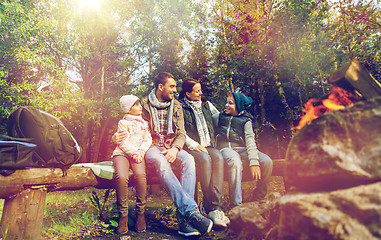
x=140, y=223
x=123, y=225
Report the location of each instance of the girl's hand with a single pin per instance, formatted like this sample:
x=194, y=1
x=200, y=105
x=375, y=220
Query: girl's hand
x=139, y=158
x=255, y=172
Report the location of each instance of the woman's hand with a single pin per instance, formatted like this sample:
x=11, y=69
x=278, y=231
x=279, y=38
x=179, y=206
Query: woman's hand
x=119, y=137
x=200, y=148
x=255, y=172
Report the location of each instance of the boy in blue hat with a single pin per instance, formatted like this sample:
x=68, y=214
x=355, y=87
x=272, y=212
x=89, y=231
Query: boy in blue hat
x=236, y=140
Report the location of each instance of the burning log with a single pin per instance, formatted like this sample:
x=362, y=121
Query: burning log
x=356, y=79
x=336, y=100
x=351, y=83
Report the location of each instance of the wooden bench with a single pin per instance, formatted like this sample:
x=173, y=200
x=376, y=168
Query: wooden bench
x=25, y=192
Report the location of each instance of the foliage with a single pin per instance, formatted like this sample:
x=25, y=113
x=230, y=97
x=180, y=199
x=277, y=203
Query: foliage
x=75, y=61
x=281, y=53
x=96, y=203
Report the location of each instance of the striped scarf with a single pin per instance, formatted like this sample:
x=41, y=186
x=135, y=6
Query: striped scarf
x=202, y=127
x=158, y=124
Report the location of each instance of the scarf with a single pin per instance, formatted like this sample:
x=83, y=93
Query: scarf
x=202, y=127
x=139, y=118
x=154, y=104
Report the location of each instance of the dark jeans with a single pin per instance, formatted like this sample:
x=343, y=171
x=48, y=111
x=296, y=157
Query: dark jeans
x=122, y=166
x=210, y=171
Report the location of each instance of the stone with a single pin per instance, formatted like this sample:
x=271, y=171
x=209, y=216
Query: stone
x=353, y=213
x=254, y=220
x=339, y=149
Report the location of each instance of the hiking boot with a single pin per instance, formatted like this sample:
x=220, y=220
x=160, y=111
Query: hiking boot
x=202, y=224
x=219, y=219
x=187, y=230
x=140, y=223
x=123, y=225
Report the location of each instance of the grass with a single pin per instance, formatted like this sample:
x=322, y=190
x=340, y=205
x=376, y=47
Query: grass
x=69, y=215
x=1, y=206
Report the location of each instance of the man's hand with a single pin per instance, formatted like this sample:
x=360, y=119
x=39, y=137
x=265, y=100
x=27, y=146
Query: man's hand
x=119, y=136
x=255, y=172
x=170, y=154
x=200, y=148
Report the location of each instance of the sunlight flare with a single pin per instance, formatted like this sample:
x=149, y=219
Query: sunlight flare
x=88, y=4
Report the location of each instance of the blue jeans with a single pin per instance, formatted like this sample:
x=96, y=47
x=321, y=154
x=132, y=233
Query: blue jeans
x=210, y=171
x=233, y=159
x=181, y=191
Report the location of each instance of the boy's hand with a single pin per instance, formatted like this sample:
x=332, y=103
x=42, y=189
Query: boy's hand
x=119, y=136
x=170, y=154
x=255, y=172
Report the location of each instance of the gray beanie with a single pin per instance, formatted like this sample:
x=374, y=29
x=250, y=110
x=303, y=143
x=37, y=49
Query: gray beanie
x=127, y=101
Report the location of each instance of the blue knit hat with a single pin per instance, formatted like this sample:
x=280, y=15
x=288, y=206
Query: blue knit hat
x=241, y=101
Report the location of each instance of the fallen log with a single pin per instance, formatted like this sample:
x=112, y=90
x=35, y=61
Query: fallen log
x=25, y=192
x=51, y=178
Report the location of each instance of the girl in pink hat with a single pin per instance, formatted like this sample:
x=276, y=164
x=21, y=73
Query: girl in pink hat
x=130, y=153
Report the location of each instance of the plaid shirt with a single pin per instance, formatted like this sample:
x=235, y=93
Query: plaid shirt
x=163, y=122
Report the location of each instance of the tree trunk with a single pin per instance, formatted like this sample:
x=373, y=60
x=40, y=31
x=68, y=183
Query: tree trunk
x=85, y=142
x=261, y=93
x=301, y=104
x=286, y=106
x=99, y=138
x=102, y=82
x=231, y=85
x=321, y=81
x=23, y=214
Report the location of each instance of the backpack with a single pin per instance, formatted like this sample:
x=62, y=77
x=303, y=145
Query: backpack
x=56, y=147
x=15, y=153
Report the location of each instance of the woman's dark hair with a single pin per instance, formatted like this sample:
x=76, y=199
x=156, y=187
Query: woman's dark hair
x=187, y=86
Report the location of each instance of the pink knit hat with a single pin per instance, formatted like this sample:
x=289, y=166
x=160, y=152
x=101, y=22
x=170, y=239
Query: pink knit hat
x=127, y=101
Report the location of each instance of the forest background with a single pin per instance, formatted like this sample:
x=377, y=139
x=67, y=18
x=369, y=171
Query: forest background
x=76, y=58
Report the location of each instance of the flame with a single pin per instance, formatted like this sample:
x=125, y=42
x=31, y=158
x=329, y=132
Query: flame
x=313, y=108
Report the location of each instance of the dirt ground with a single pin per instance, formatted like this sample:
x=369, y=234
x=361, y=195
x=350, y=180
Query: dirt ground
x=160, y=227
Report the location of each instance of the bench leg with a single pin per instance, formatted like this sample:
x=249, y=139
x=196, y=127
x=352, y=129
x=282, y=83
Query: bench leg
x=23, y=215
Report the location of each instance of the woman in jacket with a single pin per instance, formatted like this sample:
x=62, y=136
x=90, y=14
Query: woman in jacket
x=200, y=143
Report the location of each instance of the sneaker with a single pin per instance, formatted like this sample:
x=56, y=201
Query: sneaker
x=187, y=230
x=227, y=220
x=202, y=224
x=217, y=216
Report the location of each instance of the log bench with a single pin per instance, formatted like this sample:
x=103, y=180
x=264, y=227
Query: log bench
x=25, y=192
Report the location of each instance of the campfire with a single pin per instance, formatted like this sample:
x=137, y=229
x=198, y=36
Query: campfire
x=338, y=99
x=333, y=173
x=350, y=84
